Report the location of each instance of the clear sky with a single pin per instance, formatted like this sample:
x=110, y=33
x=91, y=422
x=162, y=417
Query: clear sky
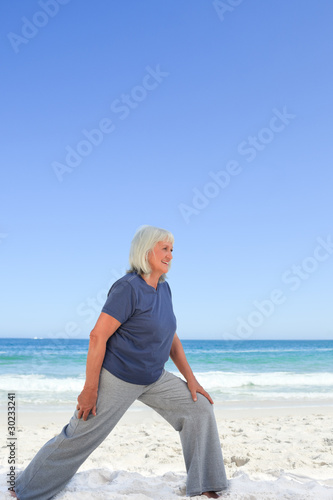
x=210, y=119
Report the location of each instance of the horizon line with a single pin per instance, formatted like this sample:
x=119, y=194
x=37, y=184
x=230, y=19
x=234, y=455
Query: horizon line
x=205, y=339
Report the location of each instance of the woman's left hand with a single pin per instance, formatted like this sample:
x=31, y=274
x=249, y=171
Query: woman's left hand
x=194, y=387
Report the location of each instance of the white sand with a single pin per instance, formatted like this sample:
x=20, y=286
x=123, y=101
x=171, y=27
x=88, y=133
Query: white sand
x=269, y=453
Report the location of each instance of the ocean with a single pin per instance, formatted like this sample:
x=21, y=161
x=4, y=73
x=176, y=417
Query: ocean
x=49, y=373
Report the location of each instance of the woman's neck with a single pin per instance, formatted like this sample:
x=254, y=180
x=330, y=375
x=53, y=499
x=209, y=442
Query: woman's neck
x=151, y=279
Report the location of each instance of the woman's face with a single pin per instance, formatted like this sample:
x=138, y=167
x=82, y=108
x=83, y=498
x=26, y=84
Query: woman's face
x=160, y=257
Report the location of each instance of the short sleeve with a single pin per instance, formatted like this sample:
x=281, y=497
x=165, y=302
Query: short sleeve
x=120, y=302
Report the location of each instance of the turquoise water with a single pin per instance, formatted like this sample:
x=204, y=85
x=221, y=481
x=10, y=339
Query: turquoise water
x=51, y=371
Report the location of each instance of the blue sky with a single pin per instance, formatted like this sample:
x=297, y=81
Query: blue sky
x=214, y=122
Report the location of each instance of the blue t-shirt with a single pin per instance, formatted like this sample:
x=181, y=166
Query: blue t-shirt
x=138, y=350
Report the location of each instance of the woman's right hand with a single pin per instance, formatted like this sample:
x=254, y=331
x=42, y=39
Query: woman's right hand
x=86, y=403
x=105, y=327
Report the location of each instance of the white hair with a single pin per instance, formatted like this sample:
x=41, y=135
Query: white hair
x=142, y=244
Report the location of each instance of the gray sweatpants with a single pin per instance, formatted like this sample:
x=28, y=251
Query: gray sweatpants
x=58, y=460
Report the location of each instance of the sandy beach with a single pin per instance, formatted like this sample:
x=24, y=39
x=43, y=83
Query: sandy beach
x=274, y=451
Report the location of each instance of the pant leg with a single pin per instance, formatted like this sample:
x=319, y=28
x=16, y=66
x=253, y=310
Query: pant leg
x=195, y=421
x=58, y=460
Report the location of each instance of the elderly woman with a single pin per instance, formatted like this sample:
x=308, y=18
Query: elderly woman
x=129, y=345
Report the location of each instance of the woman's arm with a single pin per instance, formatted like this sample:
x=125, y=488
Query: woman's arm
x=178, y=356
x=105, y=327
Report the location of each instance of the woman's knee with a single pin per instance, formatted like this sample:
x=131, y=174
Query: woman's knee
x=203, y=407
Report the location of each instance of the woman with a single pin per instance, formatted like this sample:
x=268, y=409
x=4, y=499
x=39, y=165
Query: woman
x=129, y=345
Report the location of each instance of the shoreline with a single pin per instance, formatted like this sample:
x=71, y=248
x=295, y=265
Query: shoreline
x=225, y=408
x=141, y=414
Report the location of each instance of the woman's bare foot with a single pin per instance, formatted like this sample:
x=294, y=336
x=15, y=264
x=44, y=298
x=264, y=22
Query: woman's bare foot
x=211, y=494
